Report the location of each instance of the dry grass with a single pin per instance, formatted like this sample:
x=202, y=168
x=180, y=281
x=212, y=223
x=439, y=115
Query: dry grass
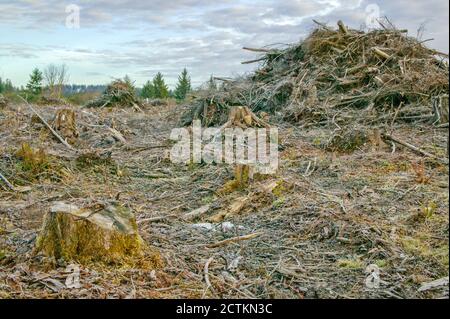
x=320, y=227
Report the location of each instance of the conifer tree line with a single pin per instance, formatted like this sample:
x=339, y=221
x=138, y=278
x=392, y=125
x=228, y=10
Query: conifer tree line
x=158, y=89
x=53, y=80
x=6, y=86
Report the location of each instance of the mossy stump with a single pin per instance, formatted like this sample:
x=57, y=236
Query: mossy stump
x=106, y=234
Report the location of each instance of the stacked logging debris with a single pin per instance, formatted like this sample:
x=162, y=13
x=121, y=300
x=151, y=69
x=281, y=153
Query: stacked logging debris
x=336, y=76
x=117, y=94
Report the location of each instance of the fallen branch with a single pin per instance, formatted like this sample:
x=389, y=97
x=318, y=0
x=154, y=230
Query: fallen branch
x=413, y=148
x=19, y=189
x=322, y=25
x=117, y=135
x=63, y=141
x=233, y=239
x=206, y=271
x=381, y=54
x=256, y=50
x=137, y=108
x=3, y=178
x=223, y=79
x=434, y=284
x=155, y=219
x=254, y=61
x=197, y=212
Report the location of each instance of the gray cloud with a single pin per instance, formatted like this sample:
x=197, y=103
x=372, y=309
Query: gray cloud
x=204, y=36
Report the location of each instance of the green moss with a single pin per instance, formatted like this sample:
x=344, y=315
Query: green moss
x=208, y=199
x=381, y=263
x=347, y=142
x=67, y=237
x=278, y=202
x=350, y=263
x=33, y=161
x=420, y=247
x=280, y=189
x=91, y=159
x=429, y=210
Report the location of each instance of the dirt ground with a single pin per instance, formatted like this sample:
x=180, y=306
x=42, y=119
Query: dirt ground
x=330, y=217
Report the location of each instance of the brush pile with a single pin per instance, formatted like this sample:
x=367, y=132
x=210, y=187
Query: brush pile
x=51, y=100
x=117, y=94
x=336, y=76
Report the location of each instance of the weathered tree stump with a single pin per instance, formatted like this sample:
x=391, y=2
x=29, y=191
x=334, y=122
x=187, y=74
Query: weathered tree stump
x=65, y=123
x=242, y=117
x=440, y=109
x=106, y=234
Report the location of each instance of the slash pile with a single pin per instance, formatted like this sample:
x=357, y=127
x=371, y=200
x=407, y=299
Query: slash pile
x=117, y=94
x=337, y=76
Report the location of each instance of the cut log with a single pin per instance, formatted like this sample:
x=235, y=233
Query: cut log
x=243, y=117
x=434, y=284
x=117, y=135
x=381, y=54
x=342, y=28
x=106, y=234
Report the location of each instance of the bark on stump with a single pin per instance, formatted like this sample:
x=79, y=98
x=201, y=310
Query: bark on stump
x=106, y=234
x=65, y=123
x=242, y=117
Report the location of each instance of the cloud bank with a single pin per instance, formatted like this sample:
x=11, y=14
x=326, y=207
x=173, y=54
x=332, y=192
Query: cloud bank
x=140, y=38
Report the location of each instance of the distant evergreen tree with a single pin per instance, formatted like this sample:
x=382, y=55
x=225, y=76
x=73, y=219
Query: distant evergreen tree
x=212, y=84
x=35, y=83
x=183, y=86
x=160, y=89
x=6, y=86
x=128, y=81
x=148, y=91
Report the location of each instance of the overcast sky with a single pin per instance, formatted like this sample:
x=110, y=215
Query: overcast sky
x=140, y=38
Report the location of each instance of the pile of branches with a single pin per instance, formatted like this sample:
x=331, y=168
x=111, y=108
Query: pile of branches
x=51, y=100
x=336, y=75
x=117, y=94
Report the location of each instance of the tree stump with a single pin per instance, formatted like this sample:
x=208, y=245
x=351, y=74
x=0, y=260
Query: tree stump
x=242, y=117
x=106, y=234
x=65, y=123
x=440, y=109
